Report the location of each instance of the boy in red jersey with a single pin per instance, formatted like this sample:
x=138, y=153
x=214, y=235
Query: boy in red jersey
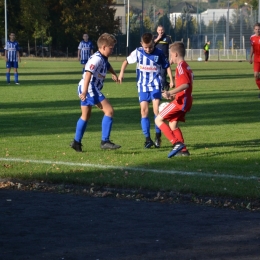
x=255, y=50
x=176, y=110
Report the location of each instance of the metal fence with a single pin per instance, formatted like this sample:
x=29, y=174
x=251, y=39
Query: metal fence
x=218, y=54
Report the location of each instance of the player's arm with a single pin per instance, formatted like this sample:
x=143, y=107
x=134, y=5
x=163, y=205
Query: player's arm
x=79, y=54
x=251, y=55
x=6, y=54
x=114, y=76
x=173, y=92
x=169, y=72
x=18, y=55
x=87, y=78
x=121, y=74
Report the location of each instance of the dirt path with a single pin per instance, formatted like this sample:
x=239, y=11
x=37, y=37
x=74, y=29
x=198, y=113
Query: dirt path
x=43, y=225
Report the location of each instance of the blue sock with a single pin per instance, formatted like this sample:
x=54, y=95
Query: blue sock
x=145, y=123
x=80, y=129
x=106, y=127
x=157, y=129
x=83, y=70
x=16, y=77
x=8, y=77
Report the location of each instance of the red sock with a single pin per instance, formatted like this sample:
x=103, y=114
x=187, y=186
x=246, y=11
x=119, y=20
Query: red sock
x=168, y=133
x=177, y=132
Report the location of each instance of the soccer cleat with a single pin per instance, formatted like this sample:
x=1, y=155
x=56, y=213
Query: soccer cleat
x=157, y=142
x=77, y=146
x=17, y=83
x=176, y=148
x=148, y=144
x=8, y=83
x=183, y=153
x=109, y=145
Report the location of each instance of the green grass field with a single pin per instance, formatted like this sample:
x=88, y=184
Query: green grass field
x=38, y=119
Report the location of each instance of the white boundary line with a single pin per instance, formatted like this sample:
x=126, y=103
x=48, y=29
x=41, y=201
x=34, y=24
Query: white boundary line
x=225, y=176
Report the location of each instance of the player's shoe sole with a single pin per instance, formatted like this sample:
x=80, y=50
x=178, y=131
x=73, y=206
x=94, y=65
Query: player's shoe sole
x=176, y=148
x=183, y=153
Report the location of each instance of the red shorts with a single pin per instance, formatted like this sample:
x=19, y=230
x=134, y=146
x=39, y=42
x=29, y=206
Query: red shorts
x=173, y=112
x=256, y=66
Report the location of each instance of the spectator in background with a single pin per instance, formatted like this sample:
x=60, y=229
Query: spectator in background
x=163, y=41
x=206, y=50
x=85, y=50
x=12, y=56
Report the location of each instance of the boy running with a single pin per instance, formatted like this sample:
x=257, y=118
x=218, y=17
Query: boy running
x=255, y=51
x=89, y=93
x=176, y=110
x=150, y=61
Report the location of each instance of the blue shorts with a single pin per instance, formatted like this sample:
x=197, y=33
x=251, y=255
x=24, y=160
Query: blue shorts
x=149, y=96
x=83, y=61
x=92, y=101
x=12, y=64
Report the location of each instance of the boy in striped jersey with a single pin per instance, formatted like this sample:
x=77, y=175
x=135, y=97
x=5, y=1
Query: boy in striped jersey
x=89, y=91
x=12, y=56
x=176, y=110
x=85, y=50
x=150, y=61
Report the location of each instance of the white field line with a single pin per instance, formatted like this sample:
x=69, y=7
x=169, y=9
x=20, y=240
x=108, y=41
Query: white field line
x=225, y=176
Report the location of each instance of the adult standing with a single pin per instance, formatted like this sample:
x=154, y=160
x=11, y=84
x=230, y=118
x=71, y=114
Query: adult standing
x=163, y=41
x=12, y=56
x=206, y=50
x=255, y=51
x=85, y=50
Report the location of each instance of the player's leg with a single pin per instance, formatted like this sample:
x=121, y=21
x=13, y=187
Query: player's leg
x=171, y=114
x=158, y=140
x=16, y=73
x=8, y=69
x=257, y=74
x=81, y=127
x=144, y=99
x=83, y=63
x=107, y=123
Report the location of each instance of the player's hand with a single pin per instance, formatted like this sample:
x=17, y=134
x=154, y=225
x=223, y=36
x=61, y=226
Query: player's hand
x=120, y=78
x=115, y=78
x=250, y=61
x=82, y=96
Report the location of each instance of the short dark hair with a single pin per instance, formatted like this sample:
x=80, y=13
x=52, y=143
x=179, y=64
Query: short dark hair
x=178, y=47
x=147, y=38
x=257, y=24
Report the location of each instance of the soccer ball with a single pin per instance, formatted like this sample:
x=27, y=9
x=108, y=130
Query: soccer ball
x=199, y=59
x=163, y=105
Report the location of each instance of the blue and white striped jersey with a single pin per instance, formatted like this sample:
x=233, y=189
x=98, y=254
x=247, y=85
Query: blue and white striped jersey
x=148, y=68
x=12, y=49
x=85, y=49
x=98, y=66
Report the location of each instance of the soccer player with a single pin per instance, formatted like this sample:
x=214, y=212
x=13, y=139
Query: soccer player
x=85, y=50
x=163, y=41
x=12, y=56
x=206, y=48
x=89, y=91
x=176, y=110
x=255, y=51
x=149, y=61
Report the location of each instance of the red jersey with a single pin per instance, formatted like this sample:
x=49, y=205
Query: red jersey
x=255, y=43
x=183, y=75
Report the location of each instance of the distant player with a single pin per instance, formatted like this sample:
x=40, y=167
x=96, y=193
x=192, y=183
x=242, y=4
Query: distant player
x=89, y=91
x=255, y=51
x=176, y=110
x=12, y=56
x=162, y=42
x=149, y=61
x=85, y=50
